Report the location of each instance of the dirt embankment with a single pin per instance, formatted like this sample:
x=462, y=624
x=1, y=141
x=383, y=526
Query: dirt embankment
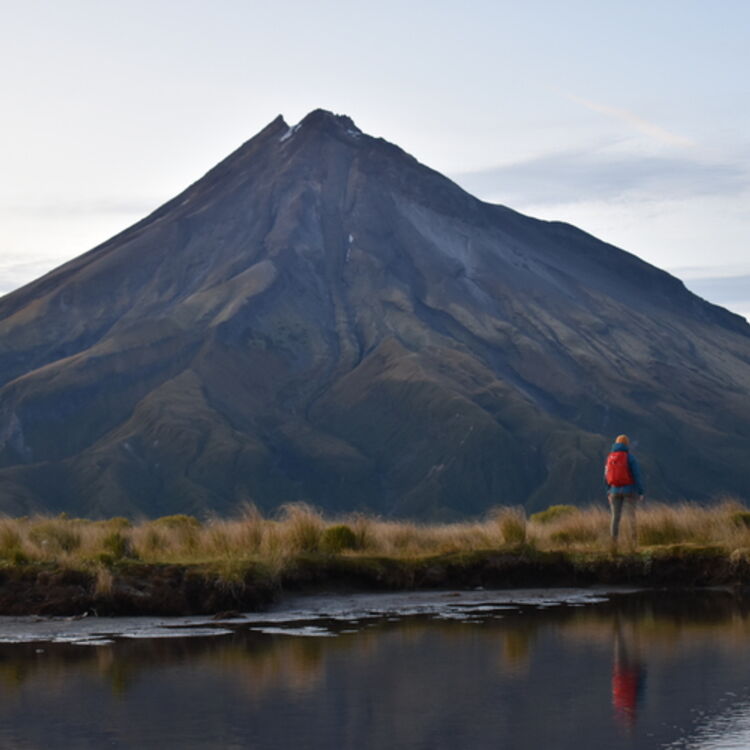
x=132, y=588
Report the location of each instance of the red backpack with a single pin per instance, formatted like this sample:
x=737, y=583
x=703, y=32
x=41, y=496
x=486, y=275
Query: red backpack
x=618, y=472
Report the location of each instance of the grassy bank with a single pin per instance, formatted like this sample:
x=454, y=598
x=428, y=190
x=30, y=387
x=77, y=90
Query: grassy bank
x=179, y=565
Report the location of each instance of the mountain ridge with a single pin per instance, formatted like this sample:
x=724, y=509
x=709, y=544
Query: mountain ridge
x=342, y=318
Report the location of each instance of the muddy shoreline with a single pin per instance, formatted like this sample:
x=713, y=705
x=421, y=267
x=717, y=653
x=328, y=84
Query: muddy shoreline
x=132, y=588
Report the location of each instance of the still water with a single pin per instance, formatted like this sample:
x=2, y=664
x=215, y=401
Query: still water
x=442, y=670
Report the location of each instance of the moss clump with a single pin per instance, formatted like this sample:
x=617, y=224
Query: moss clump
x=337, y=539
x=553, y=513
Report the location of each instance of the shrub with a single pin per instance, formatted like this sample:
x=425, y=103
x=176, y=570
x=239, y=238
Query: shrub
x=553, y=513
x=337, y=539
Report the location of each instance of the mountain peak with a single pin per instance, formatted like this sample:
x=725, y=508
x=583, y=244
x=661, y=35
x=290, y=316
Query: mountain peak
x=322, y=122
x=322, y=118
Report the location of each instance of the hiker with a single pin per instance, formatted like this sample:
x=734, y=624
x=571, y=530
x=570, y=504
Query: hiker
x=624, y=486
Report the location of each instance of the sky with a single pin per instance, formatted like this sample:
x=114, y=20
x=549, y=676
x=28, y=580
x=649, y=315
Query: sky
x=628, y=119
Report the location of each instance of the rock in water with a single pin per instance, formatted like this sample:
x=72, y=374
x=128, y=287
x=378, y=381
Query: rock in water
x=322, y=317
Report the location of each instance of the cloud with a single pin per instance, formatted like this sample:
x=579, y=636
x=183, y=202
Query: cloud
x=718, y=272
x=594, y=174
x=39, y=235
x=14, y=274
x=629, y=118
x=724, y=289
x=66, y=208
x=732, y=292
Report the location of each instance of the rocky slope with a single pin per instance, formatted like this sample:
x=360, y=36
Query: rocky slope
x=321, y=317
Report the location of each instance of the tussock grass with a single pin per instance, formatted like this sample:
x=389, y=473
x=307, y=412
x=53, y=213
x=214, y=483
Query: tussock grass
x=104, y=581
x=299, y=529
x=579, y=528
x=511, y=523
x=554, y=513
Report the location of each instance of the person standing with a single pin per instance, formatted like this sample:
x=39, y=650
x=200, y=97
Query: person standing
x=624, y=485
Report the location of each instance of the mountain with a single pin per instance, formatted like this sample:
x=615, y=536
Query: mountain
x=322, y=317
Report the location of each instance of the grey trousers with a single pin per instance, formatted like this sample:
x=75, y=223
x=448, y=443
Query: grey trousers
x=617, y=504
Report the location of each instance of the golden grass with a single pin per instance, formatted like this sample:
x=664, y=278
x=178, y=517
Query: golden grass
x=299, y=528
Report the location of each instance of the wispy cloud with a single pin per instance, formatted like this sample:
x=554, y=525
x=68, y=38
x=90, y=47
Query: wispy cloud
x=732, y=292
x=66, y=208
x=728, y=271
x=585, y=174
x=38, y=234
x=15, y=272
x=726, y=289
x=631, y=119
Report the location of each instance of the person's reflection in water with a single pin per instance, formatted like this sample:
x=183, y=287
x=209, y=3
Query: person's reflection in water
x=628, y=676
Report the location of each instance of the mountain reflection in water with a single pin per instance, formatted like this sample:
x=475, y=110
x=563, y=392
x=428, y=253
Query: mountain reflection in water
x=644, y=670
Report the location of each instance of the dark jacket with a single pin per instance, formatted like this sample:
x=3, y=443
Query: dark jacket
x=631, y=489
